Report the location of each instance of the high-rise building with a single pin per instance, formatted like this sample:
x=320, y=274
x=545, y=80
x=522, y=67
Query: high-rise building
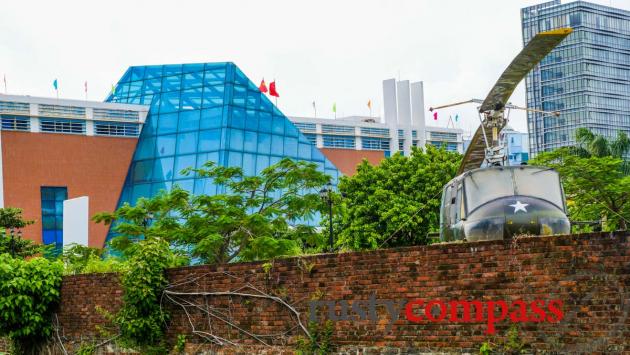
x=586, y=78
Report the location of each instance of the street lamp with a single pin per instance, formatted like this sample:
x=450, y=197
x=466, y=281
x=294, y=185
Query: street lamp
x=12, y=245
x=326, y=195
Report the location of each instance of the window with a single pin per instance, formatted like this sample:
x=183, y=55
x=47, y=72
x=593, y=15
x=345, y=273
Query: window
x=379, y=132
x=101, y=113
x=61, y=111
x=115, y=129
x=375, y=143
x=328, y=128
x=52, y=215
x=14, y=107
x=444, y=136
x=305, y=127
x=16, y=123
x=338, y=141
x=311, y=138
x=62, y=126
x=451, y=147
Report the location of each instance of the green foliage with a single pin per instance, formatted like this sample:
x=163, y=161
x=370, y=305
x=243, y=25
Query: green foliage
x=79, y=259
x=396, y=203
x=11, y=220
x=86, y=349
x=259, y=217
x=180, y=345
x=485, y=349
x=29, y=291
x=513, y=344
x=594, y=145
x=267, y=267
x=596, y=187
x=319, y=341
x=141, y=320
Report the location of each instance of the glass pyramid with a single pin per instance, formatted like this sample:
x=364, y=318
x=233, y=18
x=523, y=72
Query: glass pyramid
x=202, y=112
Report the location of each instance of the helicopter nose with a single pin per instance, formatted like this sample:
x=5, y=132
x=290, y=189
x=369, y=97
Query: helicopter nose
x=533, y=216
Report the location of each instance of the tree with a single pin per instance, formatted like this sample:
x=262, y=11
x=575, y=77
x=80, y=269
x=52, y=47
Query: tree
x=594, y=145
x=596, y=186
x=396, y=203
x=11, y=242
x=29, y=294
x=258, y=217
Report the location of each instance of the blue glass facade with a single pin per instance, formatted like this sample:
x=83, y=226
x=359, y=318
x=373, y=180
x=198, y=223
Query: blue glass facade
x=202, y=112
x=586, y=78
x=52, y=215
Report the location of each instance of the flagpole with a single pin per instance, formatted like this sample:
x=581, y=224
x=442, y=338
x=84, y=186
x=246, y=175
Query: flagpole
x=5, y=84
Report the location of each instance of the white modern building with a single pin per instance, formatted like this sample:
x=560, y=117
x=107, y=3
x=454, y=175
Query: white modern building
x=402, y=126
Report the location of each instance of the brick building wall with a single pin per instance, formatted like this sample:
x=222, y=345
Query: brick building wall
x=92, y=166
x=589, y=273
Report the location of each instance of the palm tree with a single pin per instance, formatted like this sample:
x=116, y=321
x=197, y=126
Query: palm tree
x=595, y=145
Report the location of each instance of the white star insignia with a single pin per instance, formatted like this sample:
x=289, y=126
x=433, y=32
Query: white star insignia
x=519, y=206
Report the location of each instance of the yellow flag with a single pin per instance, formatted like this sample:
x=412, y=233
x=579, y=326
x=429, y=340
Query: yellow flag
x=370, y=104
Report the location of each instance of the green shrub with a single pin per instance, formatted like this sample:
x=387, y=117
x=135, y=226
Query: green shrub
x=29, y=292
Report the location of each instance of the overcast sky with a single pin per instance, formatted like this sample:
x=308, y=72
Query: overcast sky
x=324, y=51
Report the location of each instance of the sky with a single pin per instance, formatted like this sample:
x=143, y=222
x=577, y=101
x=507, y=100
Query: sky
x=327, y=51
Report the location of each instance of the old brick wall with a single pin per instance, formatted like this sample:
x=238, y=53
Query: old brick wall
x=590, y=273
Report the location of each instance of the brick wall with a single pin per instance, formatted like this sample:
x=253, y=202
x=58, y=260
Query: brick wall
x=589, y=273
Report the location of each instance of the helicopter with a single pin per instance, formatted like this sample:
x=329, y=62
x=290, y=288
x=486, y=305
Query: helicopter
x=489, y=200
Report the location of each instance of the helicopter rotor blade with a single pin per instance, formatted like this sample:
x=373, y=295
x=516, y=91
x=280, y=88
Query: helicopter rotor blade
x=537, y=48
x=475, y=154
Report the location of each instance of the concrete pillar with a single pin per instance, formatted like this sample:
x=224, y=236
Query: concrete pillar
x=404, y=114
x=75, y=221
x=391, y=113
x=417, y=112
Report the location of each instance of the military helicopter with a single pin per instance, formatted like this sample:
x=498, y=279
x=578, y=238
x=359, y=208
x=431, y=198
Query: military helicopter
x=488, y=200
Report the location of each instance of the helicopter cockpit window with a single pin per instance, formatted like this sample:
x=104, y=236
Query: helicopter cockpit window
x=446, y=203
x=544, y=184
x=486, y=185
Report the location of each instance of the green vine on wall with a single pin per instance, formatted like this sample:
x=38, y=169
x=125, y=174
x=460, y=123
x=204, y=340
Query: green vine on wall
x=141, y=320
x=29, y=292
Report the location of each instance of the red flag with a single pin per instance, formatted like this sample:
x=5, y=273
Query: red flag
x=435, y=115
x=262, y=87
x=272, y=89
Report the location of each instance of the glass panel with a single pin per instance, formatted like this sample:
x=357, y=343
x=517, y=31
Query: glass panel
x=544, y=184
x=211, y=118
x=486, y=185
x=187, y=142
x=236, y=139
x=251, y=141
x=145, y=148
x=142, y=171
x=163, y=169
x=188, y=120
x=165, y=145
x=183, y=162
x=264, y=143
x=210, y=140
x=167, y=123
x=235, y=159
